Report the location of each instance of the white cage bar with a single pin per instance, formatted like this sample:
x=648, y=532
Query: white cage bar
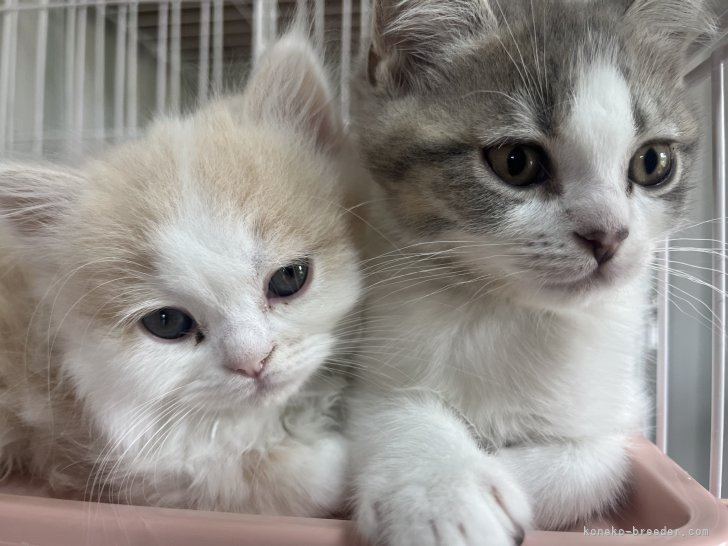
x=162, y=47
x=80, y=72
x=719, y=271
x=5, y=75
x=259, y=27
x=70, y=80
x=119, y=72
x=346, y=20
x=40, y=71
x=13, y=69
x=132, y=88
x=319, y=24
x=218, y=43
x=99, y=71
x=203, y=77
x=175, y=57
x=662, y=400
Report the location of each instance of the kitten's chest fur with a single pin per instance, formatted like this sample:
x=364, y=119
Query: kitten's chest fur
x=515, y=374
x=282, y=460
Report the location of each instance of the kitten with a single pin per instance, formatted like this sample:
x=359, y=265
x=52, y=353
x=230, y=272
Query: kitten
x=527, y=158
x=171, y=306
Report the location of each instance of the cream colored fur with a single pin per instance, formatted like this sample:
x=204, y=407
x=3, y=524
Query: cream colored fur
x=196, y=215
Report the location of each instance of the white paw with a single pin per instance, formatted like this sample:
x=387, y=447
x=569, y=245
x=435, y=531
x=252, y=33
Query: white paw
x=473, y=504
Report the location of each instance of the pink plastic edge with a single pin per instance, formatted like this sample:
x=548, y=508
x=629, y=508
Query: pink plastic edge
x=666, y=506
x=665, y=500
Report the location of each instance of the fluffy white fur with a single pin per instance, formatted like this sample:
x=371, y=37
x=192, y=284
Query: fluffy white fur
x=197, y=216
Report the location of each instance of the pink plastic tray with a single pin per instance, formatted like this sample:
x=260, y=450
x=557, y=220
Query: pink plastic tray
x=666, y=502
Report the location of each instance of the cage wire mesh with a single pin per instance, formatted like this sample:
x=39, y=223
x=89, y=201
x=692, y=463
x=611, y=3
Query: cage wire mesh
x=76, y=75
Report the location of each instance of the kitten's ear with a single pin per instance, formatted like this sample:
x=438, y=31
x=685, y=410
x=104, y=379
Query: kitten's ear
x=410, y=37
x=288, y=86
x=33, y=199
x=676, y=24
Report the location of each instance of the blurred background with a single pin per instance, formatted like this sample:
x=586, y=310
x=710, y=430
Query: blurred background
x=76, y=75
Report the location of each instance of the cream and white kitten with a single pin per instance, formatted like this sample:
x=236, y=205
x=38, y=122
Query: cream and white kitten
x=168, y=309
x=528, y=156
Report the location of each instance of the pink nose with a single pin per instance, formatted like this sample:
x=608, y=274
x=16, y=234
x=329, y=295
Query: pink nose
x=250, y=365
x=603, y=244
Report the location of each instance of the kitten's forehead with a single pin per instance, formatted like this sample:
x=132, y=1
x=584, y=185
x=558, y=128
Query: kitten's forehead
x=527, y=73
x=211, y=245
x=213, y=259
x=600, y=124
x=209, y=208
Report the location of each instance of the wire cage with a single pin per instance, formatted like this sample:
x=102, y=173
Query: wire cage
x=76, y=75
x=98, y=70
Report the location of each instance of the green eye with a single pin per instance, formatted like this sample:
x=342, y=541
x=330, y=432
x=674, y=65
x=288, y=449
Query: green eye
x=651, y=165
x=169, y=323
x=518, y=164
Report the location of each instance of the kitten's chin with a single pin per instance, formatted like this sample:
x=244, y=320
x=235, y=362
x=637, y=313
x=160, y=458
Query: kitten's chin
x=234, y=392
x=562, y=292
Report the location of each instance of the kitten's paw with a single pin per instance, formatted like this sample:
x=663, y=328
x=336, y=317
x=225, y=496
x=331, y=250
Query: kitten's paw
x=476, y=504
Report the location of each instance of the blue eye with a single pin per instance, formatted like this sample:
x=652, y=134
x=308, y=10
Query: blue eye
x=169, y=323
x=288, y=280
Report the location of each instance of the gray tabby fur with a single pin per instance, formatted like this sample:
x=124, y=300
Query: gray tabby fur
x=461, y=88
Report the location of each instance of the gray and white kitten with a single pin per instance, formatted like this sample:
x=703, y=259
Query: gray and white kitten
x=527, y=156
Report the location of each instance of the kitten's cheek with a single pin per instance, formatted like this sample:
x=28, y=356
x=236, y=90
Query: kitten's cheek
x=288, y=380
x=283, y=390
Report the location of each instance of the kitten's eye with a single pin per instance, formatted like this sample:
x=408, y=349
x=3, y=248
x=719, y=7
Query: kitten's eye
x=168, y=323
x=518, y=164
x=288, y=280
x=651, y=165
